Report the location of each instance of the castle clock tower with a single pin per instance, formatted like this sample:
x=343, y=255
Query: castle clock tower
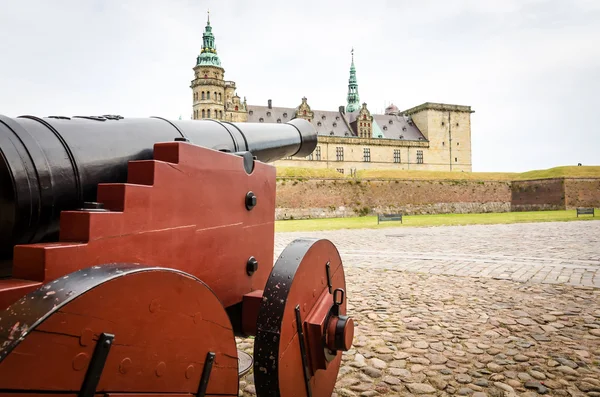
x=213, y=97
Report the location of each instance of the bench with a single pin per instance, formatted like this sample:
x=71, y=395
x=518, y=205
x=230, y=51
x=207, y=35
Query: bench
x=585, y=211
x=389, y=217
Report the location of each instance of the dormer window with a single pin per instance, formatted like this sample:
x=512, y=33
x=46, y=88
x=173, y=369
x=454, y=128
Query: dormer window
x=331, y=133
x=401, y=136
x=319, y=123
x=285, y=115
x=268, y=114
x=403, y=128
x=335, y=124
x=385, y=127
x=251, y=112
x=337, y=117
x=346, y=134
x=391, y=121
x=279, y=120
x=323, y=117
x=261, y=120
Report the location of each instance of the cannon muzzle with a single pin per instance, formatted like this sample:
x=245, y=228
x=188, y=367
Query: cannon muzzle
x=52, y=164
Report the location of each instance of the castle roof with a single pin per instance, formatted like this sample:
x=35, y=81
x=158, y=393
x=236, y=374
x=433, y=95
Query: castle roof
x=334, y=123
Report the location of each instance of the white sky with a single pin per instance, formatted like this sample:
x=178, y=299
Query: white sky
x=529, y=68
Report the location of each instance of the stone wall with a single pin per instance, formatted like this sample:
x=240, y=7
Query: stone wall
x=582, y=192
x=300, y=199
x=537, y=195
x=343, y=198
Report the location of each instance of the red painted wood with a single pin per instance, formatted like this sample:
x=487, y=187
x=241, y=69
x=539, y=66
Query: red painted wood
x=307, y=288
x=164, y=324
x=12, y=290
x=250, y=307
x=183, y=210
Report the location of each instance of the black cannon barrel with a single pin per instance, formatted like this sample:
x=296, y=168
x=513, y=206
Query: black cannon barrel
x=52, y=164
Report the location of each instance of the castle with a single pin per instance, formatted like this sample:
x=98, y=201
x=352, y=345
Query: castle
x=431, y=136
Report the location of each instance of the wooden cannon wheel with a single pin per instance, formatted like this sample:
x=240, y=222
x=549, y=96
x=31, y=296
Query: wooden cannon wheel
x=302, y=284
x=118, y=328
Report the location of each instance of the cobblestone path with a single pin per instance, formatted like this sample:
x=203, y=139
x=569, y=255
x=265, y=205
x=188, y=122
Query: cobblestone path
x=498, y=310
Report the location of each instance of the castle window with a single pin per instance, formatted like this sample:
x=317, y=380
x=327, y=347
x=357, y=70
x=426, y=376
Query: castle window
x=419, y=157
x=236, y=108
x=456, y=159
x=203, y=95
x=443, y=124
x=304, y=113
x=335, y=124
x=279, y=120
x=396, y=155
x=215, y=96
x=220, y=114
x=203, y=114
x=366, y=154
x=339, y=153
x=261, y=120
x=443, y=143
x=207, y=94
x=205, y=76
x=364, y=116
x=268, y=114
x=457, y=124
x=318, y=153
x=457, y=143
x=319, y=123
x=309, y=157
x=285, y=115
x=220, y=100
x=208, y=113
x=340, y=170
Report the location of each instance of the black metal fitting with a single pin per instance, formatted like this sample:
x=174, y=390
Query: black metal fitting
x=181, y=139
x=250, y=200
x=251, y=266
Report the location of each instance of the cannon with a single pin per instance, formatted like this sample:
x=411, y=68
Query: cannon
x=134, y=251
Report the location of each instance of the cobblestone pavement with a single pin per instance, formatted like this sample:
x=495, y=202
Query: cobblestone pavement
x=527, y=324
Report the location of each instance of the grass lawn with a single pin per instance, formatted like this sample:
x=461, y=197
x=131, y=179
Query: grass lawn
x=326, y=173
x=370, y=222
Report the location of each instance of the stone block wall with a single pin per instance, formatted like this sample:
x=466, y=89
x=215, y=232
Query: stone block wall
x=301, y=199
x=582, y=192
x=536, y=195
x=344, y=198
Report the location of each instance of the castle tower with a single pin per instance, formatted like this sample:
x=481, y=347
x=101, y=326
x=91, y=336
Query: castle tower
x=213, y=97
x=448, y=130
x=353, y=97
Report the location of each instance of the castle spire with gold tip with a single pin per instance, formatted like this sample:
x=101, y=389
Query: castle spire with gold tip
x=353, y=97
x=208, y=55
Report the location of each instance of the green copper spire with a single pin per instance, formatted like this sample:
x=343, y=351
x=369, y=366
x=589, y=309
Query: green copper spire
x=208, y=56
x=353, y=97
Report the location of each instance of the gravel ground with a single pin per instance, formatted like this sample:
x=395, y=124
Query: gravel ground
x=421, y=331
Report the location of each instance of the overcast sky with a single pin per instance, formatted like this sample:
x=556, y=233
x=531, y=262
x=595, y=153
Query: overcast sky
x=529, y=68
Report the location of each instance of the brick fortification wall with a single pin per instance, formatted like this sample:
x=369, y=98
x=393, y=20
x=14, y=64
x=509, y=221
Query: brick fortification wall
x=536, y=195
x=342, y=198
x=582, y=192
